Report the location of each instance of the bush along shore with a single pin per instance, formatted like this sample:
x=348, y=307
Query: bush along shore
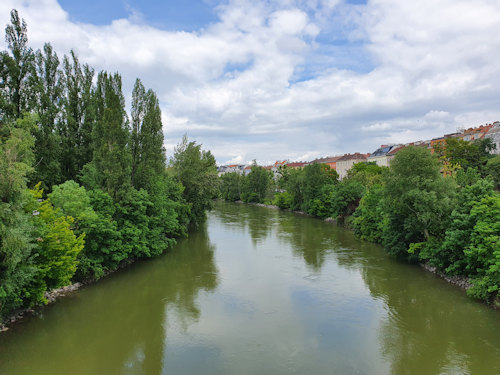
x=85, y=188
x=440, y=209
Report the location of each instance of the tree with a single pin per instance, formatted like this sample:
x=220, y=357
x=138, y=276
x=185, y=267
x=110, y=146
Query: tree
x=15, y=69
x=148, y=152
x=450, y=254
x=458, y=152
x=367, y=174
x=493, y=170
x=340, y=200
x=483, y=252
x=47, y=87
x=17, y=270
x=79, y=115
x=369, y=218
x=112, y=159
x=231, y=185
x=196, y=170
x=316, y=176
x=257, y=184
x=292, y=180
x=418, y=200
x=57, y=246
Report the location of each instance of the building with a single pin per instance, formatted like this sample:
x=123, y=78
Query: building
x=238, y=168
x=494, y=135
x=345, y=162
x=472, y=134
x=247, y=170
x=296, y=165
x=381, y=156
x=331, y=161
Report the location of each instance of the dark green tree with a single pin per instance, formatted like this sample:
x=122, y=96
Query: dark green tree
x=231, y=185
x=450, y=254
x=316, y=177
x=111, y=164
x=257, y=184
x=370, y=218
x=17, y=270
x=46, y=101
x=148, y=152
x=493, y=169
x=196, y=170
x=418, y=200
x=458, y=152
x=15, y=69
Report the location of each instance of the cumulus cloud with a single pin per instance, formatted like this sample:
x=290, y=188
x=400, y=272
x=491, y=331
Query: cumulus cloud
x=295, y=79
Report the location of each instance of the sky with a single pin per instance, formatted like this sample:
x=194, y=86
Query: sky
x=275, y=80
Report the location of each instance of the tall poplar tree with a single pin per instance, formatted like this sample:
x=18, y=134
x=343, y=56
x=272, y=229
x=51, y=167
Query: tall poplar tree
x=46, y=101
x=15, y=69
x=148, y=153
x=112, y=160
x=72, y=114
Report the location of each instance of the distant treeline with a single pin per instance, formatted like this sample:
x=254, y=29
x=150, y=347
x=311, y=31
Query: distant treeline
x=84, y=188
x=442, y=208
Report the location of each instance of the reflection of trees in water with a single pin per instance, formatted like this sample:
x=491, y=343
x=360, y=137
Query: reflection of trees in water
x=310, y=238
x=257, y=221
x=187, y=270
x=427, y=331
x=122, y=320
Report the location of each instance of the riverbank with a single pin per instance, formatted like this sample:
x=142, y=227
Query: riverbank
x=51, y=296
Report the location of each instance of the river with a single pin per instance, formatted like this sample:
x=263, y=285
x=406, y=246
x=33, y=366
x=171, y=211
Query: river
x=260, y=291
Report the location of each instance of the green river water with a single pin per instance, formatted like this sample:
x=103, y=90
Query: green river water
x=260, y=291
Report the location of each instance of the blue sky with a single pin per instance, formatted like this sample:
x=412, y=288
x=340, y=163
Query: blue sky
x=289, y=79
x=166, y=14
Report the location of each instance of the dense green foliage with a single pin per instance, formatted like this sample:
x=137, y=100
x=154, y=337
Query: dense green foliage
x=442, y=209
x=197, y=171
x=101, y=195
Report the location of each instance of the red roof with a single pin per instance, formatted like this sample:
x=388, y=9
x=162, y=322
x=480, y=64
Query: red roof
x=296, y=164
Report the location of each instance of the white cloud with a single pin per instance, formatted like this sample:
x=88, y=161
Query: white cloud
x=232, y=85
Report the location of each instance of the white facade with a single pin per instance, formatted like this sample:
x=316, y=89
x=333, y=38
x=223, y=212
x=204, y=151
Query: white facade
x=346, y=162
x=494, y=134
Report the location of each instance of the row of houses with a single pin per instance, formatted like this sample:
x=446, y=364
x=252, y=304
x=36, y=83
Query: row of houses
x=383, y=155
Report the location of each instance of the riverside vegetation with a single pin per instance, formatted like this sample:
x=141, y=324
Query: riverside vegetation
x=440, y=208
x=83, y=188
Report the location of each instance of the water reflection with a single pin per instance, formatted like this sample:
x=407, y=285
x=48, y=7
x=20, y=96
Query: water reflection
x=247, y=219
x=278, y=293
x=121, y=318
x=307, y=238
x=426, y=326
